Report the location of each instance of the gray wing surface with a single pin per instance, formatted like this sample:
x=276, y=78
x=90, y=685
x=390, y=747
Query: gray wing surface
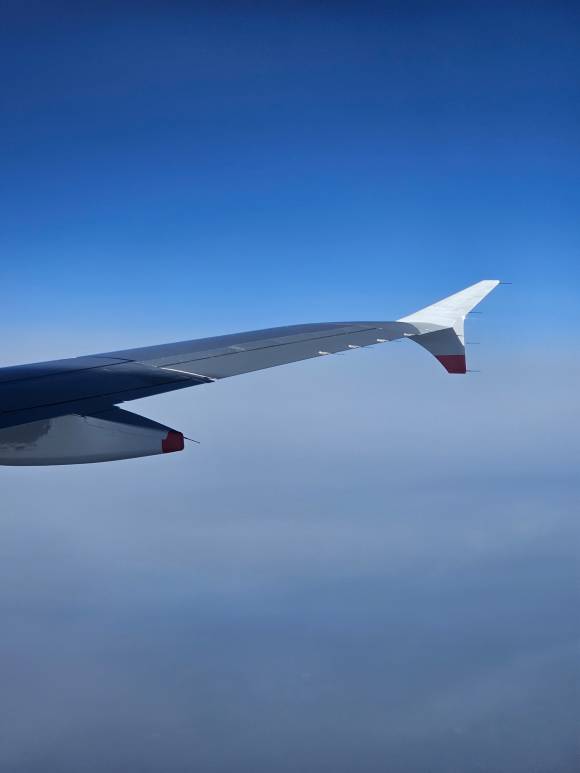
x=92, y=385
x=85, y=385
x=231, y=355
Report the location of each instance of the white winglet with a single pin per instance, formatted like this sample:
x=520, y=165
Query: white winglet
x=451, y=311
x=444, y=338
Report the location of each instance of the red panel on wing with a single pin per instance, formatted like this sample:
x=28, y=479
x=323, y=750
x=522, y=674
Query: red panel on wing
x=173, y=442
x=453, y=363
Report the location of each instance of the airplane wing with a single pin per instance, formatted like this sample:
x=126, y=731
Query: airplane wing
x=65, y=411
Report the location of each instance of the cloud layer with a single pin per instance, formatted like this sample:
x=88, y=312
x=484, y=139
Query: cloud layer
x=366, y=560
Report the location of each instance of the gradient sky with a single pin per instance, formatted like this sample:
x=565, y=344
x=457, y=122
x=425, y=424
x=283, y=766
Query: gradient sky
x=367, y=564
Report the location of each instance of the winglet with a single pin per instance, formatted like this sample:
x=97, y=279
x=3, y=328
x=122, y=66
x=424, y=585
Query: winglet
x=440, y=326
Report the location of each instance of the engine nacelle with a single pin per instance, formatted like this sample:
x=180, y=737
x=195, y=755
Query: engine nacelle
x=104, y=437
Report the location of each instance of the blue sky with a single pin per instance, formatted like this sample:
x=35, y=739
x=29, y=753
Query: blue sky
x=184, y=170
x=366, y=561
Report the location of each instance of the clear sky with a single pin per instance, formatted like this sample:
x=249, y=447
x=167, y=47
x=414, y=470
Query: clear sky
x=367, y=563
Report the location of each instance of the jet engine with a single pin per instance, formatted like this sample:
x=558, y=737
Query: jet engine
x=75, y=439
